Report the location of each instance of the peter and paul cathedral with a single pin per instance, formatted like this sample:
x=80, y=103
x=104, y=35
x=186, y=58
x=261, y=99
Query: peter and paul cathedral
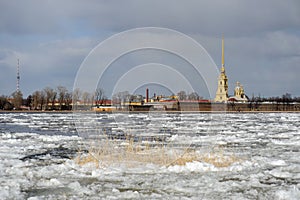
x=222, y=91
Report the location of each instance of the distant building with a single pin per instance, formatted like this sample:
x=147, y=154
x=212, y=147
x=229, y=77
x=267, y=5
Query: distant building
x=239, y=94
x=222, y=91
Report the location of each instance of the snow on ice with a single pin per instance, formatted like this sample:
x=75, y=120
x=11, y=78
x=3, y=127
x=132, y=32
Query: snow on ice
x=38, y=158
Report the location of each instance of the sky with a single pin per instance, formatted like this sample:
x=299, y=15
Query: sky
x=53, y=38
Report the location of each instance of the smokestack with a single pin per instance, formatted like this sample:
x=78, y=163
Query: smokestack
x=147, y=95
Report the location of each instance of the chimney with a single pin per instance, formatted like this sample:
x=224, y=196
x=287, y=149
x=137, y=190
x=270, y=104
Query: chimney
x=147, y=95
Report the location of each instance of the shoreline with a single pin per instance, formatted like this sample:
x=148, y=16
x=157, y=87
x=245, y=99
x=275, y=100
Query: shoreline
x=158, y=111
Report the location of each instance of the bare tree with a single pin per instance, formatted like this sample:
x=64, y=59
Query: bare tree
x=286, y=99
x=43, y=100
x=17, y=99
x=5, y=104
x=193, y=96
x=182, y=95
x=121, y=97
x=61, y=91
x=86, y=98
x=3, y=100
x=76, y=96
x=29, y=102
x=49, y=93
x=53, y=99
x=258, y=101
x=99, y=97
x=36, y=100
x=68, y=100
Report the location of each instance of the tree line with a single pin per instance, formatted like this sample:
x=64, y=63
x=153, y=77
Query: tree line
x=46, y=99
x=60, y=98
x=279, y=103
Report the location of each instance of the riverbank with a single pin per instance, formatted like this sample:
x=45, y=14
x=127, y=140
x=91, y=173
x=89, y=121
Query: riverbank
x=157, y=111
x=36, y=111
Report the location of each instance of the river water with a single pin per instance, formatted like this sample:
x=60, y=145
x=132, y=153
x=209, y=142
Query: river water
x=38, y=156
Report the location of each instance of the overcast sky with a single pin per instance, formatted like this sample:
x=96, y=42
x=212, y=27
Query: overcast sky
x=52, y=38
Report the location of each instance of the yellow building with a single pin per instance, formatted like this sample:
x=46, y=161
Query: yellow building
x=222, y=91
x=239, y=94
x=105, y=109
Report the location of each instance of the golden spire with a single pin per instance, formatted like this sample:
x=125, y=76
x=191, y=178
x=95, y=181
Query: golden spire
x=223, y=51
x=223, y=59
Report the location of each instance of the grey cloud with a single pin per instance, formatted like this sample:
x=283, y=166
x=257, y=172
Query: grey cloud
x=48, y=64
x=233, y=17
x=207, y=17
x=53, y=37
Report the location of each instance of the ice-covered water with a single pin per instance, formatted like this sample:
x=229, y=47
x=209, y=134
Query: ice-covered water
x=37, y=153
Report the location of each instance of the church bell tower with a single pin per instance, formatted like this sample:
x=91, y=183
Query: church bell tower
x=222, y=92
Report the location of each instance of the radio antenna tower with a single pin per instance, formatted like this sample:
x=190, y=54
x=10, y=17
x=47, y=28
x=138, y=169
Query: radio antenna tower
x=18, y=77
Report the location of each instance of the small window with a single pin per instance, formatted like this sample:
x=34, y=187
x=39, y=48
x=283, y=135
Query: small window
x=220, y=90
x=220, y=82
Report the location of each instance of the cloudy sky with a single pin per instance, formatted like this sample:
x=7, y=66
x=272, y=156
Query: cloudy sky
x=52, y=38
